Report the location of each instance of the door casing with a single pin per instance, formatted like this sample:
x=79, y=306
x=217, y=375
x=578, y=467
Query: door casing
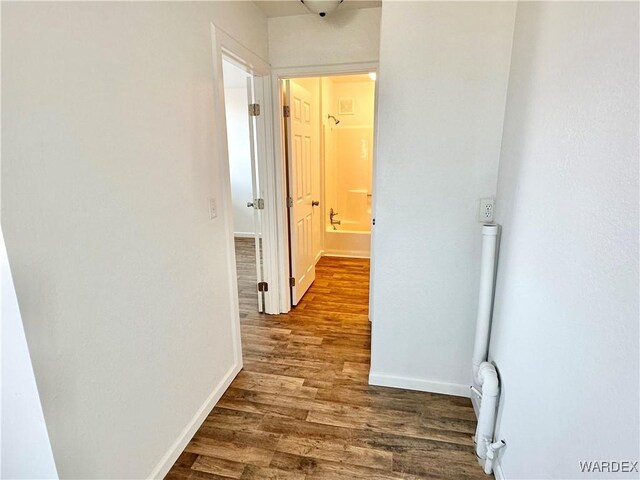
x=223, y=45
x=280, y=165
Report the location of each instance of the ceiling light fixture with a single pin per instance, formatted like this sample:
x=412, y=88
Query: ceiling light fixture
x=321, y=7
x=373, y=76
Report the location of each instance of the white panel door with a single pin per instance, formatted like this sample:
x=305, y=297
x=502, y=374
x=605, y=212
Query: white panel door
x=300, y=188
x=256, y=125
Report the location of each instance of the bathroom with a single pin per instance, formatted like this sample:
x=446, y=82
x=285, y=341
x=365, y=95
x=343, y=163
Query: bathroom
x=342, y=154
x=348, y=163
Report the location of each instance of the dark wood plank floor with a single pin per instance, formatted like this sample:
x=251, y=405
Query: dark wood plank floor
x=246, y=266
x=301, y=407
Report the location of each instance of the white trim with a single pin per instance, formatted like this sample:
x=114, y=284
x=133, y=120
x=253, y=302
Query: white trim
x=326, y=70
x=279, y=165
x=222, y=152
x=268, y=187
x=419, y=384
x=245, y=235
x=234, y=51
x=240, y=55
x=282, y=221
x=475, y=402
x=169, y=458
x=376, y=127
x=346, y=254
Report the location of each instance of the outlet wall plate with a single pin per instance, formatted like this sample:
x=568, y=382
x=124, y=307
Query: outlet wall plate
x=487, y=208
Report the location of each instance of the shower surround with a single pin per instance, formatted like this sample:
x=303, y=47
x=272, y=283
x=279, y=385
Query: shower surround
x=348, y=167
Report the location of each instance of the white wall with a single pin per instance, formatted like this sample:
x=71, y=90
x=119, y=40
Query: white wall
x=348, y=36
x=239, y=158
x=565, y=331
x=442, y=90
x=362, y=92
x=108, y=162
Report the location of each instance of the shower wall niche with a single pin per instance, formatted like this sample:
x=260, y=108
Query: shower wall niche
x=348, y=163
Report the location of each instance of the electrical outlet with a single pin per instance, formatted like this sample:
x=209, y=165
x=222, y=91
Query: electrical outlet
x=487, y=206
x=213, y=208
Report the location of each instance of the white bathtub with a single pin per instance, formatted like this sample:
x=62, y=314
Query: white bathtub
x=347, y=243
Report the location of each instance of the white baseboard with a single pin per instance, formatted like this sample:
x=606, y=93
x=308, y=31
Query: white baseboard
x=475, y=401
x=169, y=458
x=419, y=384
x=245, y=234
x=345, y=254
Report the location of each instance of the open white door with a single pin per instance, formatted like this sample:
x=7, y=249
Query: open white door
x=256, y=120
x=299, y=144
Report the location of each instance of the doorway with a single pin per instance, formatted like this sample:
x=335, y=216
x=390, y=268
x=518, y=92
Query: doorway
x=241, y=115
x=328, y=124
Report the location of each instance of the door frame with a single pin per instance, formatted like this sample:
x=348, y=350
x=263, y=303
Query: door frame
x=225, y=46
x=280, y=165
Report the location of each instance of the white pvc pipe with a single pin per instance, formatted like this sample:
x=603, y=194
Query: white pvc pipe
x=484, y=374
x=485, y=298
x=491, y=455
x=488, y=378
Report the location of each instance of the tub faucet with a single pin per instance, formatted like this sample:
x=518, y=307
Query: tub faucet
x=331, y=219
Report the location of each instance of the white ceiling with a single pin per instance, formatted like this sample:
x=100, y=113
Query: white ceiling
x=286, y=8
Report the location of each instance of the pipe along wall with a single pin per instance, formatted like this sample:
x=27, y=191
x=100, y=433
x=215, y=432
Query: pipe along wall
x=486, y=385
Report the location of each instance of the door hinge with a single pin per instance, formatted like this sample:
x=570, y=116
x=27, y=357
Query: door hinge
x=254, y=109
x=286, y=111
x=258, y=204
x=292, y=282
x=290, y=202
x=263, y=287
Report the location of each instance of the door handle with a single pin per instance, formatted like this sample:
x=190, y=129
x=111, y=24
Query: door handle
x=250, y=204
x=315, y=203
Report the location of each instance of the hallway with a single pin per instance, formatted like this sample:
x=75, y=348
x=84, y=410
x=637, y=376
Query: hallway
x=302, y=409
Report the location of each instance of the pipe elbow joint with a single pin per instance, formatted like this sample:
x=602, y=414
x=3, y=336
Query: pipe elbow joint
x=488, y=379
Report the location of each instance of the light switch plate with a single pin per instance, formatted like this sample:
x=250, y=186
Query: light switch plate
x=213, y=208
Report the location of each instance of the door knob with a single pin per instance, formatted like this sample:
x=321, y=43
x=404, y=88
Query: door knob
x=249, y=204
x=315, y=203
